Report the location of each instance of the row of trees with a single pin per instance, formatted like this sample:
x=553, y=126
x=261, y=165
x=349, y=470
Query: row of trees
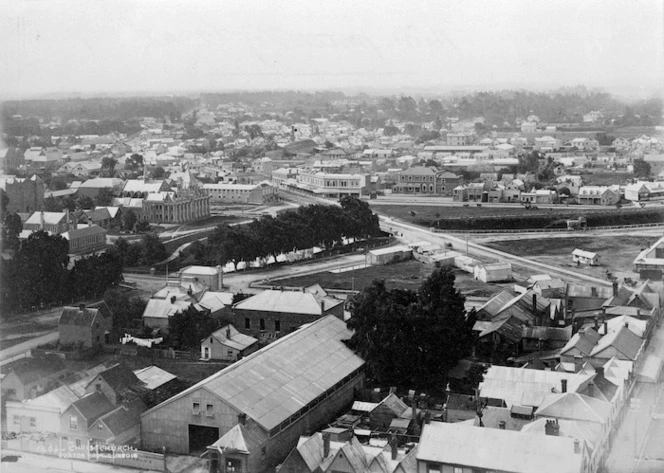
x=146, y=252
x=40, y=274
x=306, y=227
x=411, y=338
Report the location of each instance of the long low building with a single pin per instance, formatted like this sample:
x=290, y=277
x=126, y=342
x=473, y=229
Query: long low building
x=252, y=413
x=241, y=193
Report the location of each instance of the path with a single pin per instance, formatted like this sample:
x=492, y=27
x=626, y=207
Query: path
x=29, y=345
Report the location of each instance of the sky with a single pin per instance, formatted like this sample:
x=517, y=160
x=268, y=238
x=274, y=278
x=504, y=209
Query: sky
x=70, y=47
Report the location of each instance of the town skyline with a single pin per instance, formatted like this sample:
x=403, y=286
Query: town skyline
x=394, y=48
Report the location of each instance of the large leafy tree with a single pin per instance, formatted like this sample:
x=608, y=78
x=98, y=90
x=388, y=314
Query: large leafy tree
x=411, y=338
x=187, y=327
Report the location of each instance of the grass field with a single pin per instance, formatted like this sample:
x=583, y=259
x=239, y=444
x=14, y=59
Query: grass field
x=406, y=275
x=616, y=253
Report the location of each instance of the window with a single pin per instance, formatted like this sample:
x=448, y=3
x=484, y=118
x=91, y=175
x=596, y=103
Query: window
x=209, y=410
x=196, y=409
x=17, y=420
x=262, y=324
x=78, y=443
x=247, y=323
x=33, y=422
x=229, y=353
x=433, y=468
x=73, y=423
x=277, y=325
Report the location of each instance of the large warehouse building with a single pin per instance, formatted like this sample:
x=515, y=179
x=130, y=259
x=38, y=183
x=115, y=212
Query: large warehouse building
x=252, y=413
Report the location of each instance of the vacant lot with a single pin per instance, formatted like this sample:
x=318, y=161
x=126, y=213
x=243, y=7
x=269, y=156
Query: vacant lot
x=617, y=252
x=406, y=275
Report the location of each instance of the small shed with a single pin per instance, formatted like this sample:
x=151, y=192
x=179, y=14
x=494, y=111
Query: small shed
x=393, y=254
x=227, y=344
x=493, y=272
x=585, y=257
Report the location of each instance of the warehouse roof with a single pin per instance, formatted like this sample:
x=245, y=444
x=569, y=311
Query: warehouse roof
x=293, y=302
x=279, y=380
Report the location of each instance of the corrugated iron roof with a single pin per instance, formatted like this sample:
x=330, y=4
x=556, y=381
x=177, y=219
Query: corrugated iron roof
x=575, y=406
x=293, y=302
x=496, y=449
x=277, y=381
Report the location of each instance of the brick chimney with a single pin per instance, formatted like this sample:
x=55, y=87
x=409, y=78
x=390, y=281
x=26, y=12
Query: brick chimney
x=563, y=383
x=81, y=306
x=534, y=303
x=615, y=288
x=606, y=328
x=394, y=447
x=551, y=427
x=242, y=418
x=577, y=446
x=228, y=333
x=501, y=425
x=322, y=306
x=591, y=389
x=326, y=444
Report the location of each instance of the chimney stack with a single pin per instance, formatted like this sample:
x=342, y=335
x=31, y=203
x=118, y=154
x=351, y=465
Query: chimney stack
x=242, y=418
x=551, y=427
x=638, y=312
x=591, y=389
x=220, y=277
x=393, y=389
x=563, y=383
x=577, y=446
x=394, y=447
x=534, y=303
x=173, y=299
x=596, y=325
x=322, y=306
x=599, y=372
x=501, y=425
x=326, y=444
x=606, y=328
x=228, y=333
x=615, y=288
x=81, y=306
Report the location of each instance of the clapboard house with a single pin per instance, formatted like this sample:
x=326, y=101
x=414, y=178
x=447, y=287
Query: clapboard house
x=252, y=413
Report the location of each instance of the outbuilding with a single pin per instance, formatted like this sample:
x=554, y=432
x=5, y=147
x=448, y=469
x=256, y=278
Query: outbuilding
x=585, y=257
x=494, y=272
x=393, y=254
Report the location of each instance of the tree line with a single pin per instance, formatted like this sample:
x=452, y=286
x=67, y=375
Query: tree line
x=41, y=274
x=304, y=228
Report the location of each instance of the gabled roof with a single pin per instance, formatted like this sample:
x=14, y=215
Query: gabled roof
x=584, y=340
x=119, y=377
x=508, y=326
x=60, y=398
x=623, y=340
x=589, y=432
x=293, y=302
x=50, y=218
x=76, y=316
x=81, y=232
x=29, y=370
x=394, y=404
x=279, y=380
x=240, y=440
x=497, y=302
x=575, y=406
x=496, y=449
x=93, y=406
x=237, y=340
x=119, y=420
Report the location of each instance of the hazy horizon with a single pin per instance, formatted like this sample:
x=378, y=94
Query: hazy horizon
x=172, y=47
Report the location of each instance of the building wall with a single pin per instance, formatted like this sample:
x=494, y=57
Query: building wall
x=288, y=321
x=87, y=244
x=13, y=389
x=104, y=388
x=168, y=426
x=75, y=334
x=219, y=351
x=45, y=419
x=130, y=436
x=80, y=434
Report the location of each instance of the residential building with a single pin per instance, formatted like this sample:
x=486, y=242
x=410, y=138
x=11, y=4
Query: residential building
x=54, y=223
x=277, y=312
x=585, y=257
x=227, y=344
x=29, y=378
x=392, y=254
x=447, y=447
x=539, y=196
x=116, y=383
x=84, y=326
x=41, y=414
x=118, y=427
x=93, y=187
x=37, y=158
x=547, y=143
x=78, y=418
x=418, y=180
x=458, y=139
x=494, y=272
x=250, y=415
x=598, y=195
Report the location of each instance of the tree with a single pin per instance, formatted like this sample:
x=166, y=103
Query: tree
x=127, y=310
x=142, y=226
x=186, y=328
x=641, y=168
x=11, y=229
x=390, y=130
x=86, y=202
x=108, y=165
x=153, y=249
x=104, y=198
x=129, y=219
x=159, y=173
x=411, y=338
